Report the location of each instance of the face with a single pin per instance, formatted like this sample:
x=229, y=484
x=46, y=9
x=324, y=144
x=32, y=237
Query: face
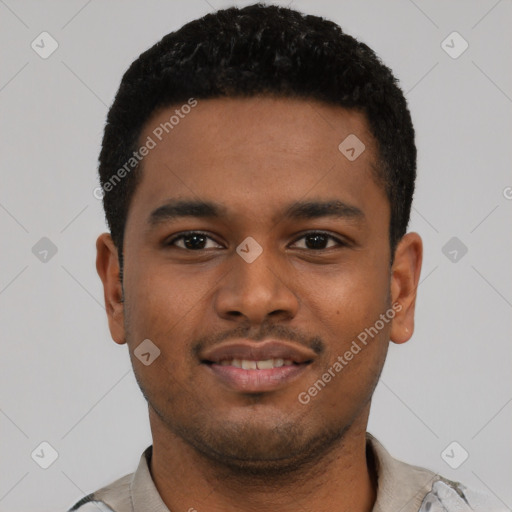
x=255, y=295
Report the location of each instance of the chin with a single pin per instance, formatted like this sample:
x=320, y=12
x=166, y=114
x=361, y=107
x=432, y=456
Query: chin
x=253, y=450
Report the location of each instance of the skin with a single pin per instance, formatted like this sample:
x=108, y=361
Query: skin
x=213, y=448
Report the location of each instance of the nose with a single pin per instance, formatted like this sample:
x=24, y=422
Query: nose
x=257, y=291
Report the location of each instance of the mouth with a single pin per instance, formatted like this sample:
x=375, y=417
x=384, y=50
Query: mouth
x=248, y=364
x=257, y=367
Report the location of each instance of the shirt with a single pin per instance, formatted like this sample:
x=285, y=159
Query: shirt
x=401, y=487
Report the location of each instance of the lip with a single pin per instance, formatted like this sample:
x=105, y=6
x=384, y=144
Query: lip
x=258, y=351
x=257, y=381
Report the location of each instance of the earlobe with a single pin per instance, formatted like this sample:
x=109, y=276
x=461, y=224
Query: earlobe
x=107, y=266
x=405, y=275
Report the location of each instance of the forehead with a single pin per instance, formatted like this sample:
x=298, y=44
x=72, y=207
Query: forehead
x=256, y=154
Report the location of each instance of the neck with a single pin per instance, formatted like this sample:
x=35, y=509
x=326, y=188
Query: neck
x=341, y=481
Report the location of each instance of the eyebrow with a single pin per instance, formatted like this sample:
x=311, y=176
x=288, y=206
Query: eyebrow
x=299, y=210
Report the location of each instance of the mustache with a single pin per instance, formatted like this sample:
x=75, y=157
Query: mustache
x=274, y=331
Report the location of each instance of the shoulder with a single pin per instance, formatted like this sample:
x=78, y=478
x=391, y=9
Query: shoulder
x=448, y=496
x=409, y=488
x=92, y=506
x=114, y=497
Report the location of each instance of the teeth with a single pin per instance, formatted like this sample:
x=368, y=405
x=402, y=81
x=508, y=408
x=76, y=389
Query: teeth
x=265, y=365
x=247, y=364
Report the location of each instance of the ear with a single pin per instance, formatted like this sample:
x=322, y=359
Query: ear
x=107, y=265
x=405, y=274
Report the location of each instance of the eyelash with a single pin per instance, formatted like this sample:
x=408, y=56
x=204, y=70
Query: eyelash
x=171, y=242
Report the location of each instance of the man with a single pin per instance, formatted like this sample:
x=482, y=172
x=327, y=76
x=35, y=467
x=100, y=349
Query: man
x=257, y=174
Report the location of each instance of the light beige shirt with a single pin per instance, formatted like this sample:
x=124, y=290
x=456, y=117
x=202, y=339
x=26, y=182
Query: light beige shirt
x=401, y=487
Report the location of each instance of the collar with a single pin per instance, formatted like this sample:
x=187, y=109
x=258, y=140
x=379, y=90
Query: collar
x=400, y=486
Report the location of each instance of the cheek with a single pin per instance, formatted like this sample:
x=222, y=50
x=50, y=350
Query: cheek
x=348, y=315
x=167, y=306
x=161, y=297
x=345, y=308
x=352, y=296
x=159, y=309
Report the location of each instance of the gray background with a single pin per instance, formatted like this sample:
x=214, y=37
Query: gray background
x=64, y=381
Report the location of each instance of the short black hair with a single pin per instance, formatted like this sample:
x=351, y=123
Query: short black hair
x=259, y=50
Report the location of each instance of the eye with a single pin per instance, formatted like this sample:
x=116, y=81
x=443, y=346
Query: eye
x=192, y=240
x=317, y=240
x=197, y=241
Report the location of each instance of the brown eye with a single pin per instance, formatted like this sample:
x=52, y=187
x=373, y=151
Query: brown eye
x=193, y=241
x=318, y=240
